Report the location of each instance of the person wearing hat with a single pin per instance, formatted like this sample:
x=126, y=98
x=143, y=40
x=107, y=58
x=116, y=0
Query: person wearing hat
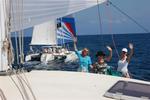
x=124, y=61
x=84, y=60
x=101, y=66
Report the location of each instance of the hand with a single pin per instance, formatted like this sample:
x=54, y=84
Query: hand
x=75, y=39
x=130, y=45
x=109, y=48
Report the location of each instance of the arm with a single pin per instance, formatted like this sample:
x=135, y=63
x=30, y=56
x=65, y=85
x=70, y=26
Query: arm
x=110, y=53
x=74, y=43
x=90, y=63
x=131, y=52
x=75, y=47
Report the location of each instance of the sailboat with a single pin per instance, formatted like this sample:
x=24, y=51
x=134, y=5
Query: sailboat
x=50, y=38
x=55, y=85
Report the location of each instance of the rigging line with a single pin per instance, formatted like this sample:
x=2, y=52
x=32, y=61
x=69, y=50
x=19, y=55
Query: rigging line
x=2, y=95
x=114, y=43
x=100, y=22
x=24, y=90
x=17, y=87
x=25, y=94
x=22, y=44
x=17, y=54
x=131, y=18
x=19, y=26
x=17, y=77
x=16, y=39
x=28, y=85
x=22, y=31
x=110, y=29
x=9, y=66
x=23, y=87
x=22, y=48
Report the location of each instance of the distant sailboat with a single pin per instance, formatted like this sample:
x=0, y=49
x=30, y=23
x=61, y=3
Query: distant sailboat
x=48, y=36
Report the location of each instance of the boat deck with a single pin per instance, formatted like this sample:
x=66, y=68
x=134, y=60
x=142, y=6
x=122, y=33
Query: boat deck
x=58, y=85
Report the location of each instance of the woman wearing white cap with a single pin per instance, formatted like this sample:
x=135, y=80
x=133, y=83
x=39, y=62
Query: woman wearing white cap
x=124, y=61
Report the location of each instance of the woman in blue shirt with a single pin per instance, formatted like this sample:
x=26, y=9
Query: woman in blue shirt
x=84, y=60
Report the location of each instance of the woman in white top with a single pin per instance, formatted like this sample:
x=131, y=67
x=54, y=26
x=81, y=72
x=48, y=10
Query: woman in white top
x=125, y=60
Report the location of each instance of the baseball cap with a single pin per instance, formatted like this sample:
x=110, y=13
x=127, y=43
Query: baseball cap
x=125, y=50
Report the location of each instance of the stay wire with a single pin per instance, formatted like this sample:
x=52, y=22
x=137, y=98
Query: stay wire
x=16, y=39
x=17, y=87
x=110, y=29
x=21, y=78
x=100, y=29
x=131, y=18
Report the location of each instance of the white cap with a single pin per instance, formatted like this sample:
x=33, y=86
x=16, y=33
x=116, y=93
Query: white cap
x=125, y=50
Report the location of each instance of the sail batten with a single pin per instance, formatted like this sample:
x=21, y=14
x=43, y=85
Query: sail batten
x=39, y=11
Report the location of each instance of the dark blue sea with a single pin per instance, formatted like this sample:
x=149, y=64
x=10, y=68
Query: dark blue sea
x=139, y=66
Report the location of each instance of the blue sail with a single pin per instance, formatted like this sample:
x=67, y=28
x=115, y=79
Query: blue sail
x=66, y=30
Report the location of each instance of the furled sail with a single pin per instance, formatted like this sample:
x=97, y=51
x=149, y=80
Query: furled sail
x=35, y=12
x=44, y=34
x=5, y=43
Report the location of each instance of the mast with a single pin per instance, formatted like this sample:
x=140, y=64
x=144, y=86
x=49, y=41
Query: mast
x=6, y=54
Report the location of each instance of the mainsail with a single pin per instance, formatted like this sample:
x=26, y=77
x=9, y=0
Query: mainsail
x=35, y=12
x=44, y=34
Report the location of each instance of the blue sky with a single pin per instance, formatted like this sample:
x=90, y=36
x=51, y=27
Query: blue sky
x=112, y=20
x=87, y=22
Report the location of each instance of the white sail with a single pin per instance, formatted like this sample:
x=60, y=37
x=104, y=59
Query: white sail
x=35, y=12
x=44, y=34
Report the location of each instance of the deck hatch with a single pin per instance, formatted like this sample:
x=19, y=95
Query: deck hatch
x=127, y=90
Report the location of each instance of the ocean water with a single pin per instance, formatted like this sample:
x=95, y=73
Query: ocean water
x=139, y=66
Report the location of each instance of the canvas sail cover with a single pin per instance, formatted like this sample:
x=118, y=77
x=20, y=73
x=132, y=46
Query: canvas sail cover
x=44, y=34
x=35, y=12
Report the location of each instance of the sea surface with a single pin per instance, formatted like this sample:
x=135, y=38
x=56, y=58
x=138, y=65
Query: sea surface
x=139, y=66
